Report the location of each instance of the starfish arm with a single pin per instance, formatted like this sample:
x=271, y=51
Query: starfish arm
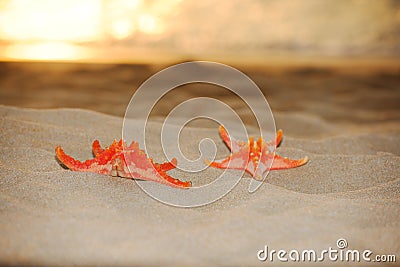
x=139, y=166
x=221, y=165
x=225, y=136
x=237, y=161
x=231, y=143
x=96, y=148
x=97, y=165
x=150, y=172
x=166, y=179
x=278, y=139
x=279, y=135
x=167, y=165
x=281, y=163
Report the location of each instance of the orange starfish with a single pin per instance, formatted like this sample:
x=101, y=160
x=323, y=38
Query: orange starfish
x=115, y=160
x=254, y=157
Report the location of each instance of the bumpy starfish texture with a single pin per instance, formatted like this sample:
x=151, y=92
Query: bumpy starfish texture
x=115, y=160
x=254, y=157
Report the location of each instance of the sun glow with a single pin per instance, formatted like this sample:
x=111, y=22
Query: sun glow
x=46, y=51
x=149, y=24
x=47, y=20
x=62, y=29
x=122, y=28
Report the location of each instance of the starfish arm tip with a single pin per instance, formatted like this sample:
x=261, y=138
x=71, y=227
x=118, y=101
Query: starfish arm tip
x=60, y=154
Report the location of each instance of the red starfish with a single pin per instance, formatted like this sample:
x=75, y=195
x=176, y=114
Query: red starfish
x=246, y=156
x=115, y=160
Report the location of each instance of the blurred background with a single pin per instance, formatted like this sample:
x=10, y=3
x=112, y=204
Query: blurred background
x=306, y=56
x=157, y=30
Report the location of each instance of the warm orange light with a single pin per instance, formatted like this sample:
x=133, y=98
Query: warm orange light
x=122, y=28
x=46, y=51
x=49, y=20
x=53, y=30
x=150, y=24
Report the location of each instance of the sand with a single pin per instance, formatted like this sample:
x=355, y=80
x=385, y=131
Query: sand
x=350, y=188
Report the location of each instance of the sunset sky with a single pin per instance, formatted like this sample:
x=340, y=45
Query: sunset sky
x=134, y=30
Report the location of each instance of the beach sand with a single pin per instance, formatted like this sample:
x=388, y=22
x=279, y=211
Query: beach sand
x=347, y=124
